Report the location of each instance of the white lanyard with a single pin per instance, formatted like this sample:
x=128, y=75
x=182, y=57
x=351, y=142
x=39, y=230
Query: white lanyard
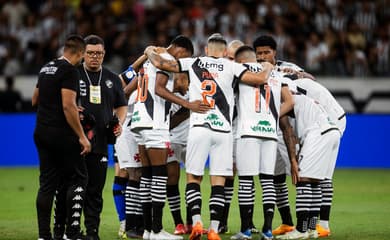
x=94, y=91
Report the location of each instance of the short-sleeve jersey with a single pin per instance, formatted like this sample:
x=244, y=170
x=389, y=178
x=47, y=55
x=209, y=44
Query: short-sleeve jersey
x=54, y=76
x=150, y=110
x=212, y=81
x=321, y=95
x=280, y=65
x=310, y=115
x=112, y=97
x=259, y=106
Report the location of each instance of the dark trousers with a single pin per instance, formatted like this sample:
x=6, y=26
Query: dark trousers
x=60, y=161
x=93, y=204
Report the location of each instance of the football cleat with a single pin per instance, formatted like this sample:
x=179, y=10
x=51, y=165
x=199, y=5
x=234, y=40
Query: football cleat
x=212, y=235
x=295, y=234
x=197, y=231
x=180, y=229
x=282, y=229
x=242, y=235
x=322, y=232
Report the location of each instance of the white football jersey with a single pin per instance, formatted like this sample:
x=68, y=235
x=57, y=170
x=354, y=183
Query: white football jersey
x=259, y=106
x=150, y=110
x=179, y=134
x=280, y=65
x=310, y=115
x=321, y=95
x=211, y=80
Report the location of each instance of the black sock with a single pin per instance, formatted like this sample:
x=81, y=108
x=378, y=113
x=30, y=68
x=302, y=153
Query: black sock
x=173, y=195
x=132, y=203
x=327, y=197
x=193, y=199
x=229, y=191
x=146, y=197
x=246, y=200
x=303, y=205
x=282, y=202
x=315, y=205
x=217, y=203
x=159, y=195
x=269, y=198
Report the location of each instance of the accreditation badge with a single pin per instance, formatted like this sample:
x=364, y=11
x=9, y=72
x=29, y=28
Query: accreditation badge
x=95, y=95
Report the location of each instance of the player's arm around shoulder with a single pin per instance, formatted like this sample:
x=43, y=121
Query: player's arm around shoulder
x=158, y=61
x=287, y=101
x=259, y=78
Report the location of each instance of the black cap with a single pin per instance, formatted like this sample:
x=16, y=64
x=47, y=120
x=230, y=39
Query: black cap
x=216, y=37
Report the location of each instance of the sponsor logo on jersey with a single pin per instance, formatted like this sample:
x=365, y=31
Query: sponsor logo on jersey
x=50, y=70
x=207, y=65
x=214, y=120
x=135, y=117
x=263, y=126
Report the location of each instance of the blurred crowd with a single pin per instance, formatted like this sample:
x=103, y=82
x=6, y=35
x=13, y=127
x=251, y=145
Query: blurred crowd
x=325, y=37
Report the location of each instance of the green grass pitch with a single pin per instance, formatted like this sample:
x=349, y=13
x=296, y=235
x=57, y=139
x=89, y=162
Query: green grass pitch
x=361, y=207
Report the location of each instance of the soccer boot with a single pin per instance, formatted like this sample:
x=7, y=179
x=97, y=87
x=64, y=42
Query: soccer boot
x=212, y=235
x=322, y=232
x=197, y=231
x=164, y=235
x=146, y=235
x=282, y=229
x=313, y=234
x=180, y=229
x=242, y=235
x=295, y=234
x=266, y=235
x=122, y=230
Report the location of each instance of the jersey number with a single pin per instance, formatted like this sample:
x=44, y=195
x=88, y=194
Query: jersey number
x=142, y=88
x=209, y=89
x=265, y=90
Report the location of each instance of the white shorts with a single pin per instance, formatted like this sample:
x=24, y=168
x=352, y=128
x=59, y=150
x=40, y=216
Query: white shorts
x=342, y=124
x=315, y=155
x=177, y=153
x=282, y=165
x=127, y=149
x=255, y=155
x=202, y=142
x=153, y=138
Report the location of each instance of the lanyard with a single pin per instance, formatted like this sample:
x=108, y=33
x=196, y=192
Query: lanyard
x=89, y=80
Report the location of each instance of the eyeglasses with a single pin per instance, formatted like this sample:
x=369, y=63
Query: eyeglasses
x=98, y=54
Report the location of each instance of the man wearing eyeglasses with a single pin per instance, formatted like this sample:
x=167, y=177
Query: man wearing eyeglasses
x=101, y=95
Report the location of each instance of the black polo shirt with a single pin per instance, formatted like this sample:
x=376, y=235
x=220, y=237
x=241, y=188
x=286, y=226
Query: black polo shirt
x=112, y=96
x=53, y=77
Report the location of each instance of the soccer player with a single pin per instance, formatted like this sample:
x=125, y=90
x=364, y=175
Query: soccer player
x=317, y=135
x=60, y=140
x=211, y=80
x=150, y=123
x=265, y=47
x=259, y=109
x=336, y=113
x=229, y=182
x=128, y=166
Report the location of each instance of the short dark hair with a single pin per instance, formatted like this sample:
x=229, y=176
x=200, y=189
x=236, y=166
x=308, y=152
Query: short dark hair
x=184, y=42
x=217, y=37
x=264, y=41
x=242, y=49
x=93, y=40
x=74, y=44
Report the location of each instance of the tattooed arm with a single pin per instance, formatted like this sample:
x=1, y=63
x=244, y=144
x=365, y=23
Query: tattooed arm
x=290, y=140
x=161, y=63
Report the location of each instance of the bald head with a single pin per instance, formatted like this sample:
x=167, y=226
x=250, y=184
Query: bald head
x=232, y=47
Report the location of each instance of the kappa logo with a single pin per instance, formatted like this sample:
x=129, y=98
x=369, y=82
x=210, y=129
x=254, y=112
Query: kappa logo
x=263, y=126
x=214, y=120
x=76, y=206
x=79, y=189
x=77, y=198
x=76, y=214
x=75, y=223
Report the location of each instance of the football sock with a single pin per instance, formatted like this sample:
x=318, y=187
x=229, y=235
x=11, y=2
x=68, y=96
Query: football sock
x=193, y=200
x=246, y=200
x=118, y=191
x=132, y=204
x=146, y=197
x=326, y=186
x=315, y=205
x=173, y=195
x=159, y=195
x=282, y=202
x=216, y=205
x=229, y=190
x=269, y=198
x=303, y=200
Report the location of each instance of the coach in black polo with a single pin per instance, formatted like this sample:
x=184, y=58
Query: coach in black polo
x=101, y=94
x=60, y=139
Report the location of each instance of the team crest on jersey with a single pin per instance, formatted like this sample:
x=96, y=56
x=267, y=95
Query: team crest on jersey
x=214, y=120
x=263, y=126
x=109, y=83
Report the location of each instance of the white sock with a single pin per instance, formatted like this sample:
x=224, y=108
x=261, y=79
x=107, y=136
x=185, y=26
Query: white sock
x=324, y=224
x=214, y=225
x=196, y=218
